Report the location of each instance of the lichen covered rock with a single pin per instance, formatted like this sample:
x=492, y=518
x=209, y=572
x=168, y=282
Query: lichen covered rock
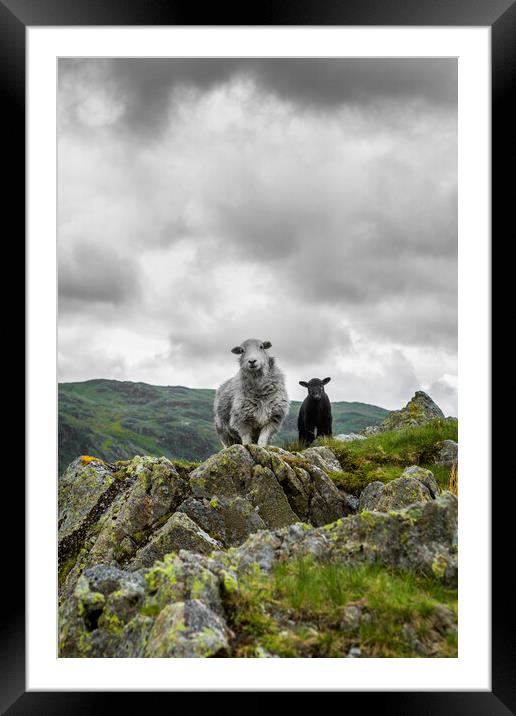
x=230, y=520
x=187, y=629
x=177, y=608
x=419, y=410
x=156, y=491
x=447, y=453
x=179, y=532
x=425, y=476
x=396, y=494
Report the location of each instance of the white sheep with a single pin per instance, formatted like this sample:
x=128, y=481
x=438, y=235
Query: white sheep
x=251, y=406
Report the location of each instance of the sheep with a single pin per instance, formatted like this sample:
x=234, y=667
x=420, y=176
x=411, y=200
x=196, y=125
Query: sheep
x=251, y=406
x=314, y=417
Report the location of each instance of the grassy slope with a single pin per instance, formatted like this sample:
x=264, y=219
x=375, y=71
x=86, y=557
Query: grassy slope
x=384, y=456
x=301, y=612
x=117, y=420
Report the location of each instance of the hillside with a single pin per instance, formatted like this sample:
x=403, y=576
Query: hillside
x=115, y=420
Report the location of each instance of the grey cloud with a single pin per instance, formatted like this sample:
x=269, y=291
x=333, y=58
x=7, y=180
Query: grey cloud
x=445, y=395
x=296, y=335
x=145, y=84
x=92, y=274
x=309, y=222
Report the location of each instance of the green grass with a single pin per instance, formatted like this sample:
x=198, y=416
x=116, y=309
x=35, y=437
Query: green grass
x=299, y=611
x=384, y=456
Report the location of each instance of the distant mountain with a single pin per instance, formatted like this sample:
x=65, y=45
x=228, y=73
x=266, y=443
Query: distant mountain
x=115, y=420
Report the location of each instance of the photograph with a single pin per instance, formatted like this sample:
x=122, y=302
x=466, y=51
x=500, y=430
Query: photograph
x=257, y=357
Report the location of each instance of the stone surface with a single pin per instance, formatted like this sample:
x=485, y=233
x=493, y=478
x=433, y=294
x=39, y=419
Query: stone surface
x=421, y=537
x=425, y=476
x=179, y=532
x=447, y=453
x=370, y=496
x=321, y=457
x=187, y=630
x=227, y=473
x=177, y=608
x=155, y=493
x=349, y=437
x=394, y=495
x=227, y=519
x=85, y=490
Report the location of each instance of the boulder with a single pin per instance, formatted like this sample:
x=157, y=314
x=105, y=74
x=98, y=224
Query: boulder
x=424, y=476
x=394, y=495
x=322, y=457
x=370, y=496
x=85, y=490
x=187, y=629
x=447, y=453
x=144, y=494
x=230, y=520
x=179, y=532
x=156, y=491
x=349, y=437
x=227, y=473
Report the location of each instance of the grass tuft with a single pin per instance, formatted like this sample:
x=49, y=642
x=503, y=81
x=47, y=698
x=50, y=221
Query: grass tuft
x=300, y=611
x=384, y=456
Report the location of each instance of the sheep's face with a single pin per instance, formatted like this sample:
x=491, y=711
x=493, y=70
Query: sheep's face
x=253, y=355
x=315, y=387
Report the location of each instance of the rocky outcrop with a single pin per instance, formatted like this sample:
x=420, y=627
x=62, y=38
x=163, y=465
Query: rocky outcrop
x=150, y=551
x=178, y=607
x=419, y=410
x=129, y=514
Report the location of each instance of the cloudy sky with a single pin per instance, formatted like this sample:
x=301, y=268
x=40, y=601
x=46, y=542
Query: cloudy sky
x=309, y=202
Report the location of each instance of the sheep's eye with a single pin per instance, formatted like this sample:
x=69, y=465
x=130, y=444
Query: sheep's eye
x=261, y=347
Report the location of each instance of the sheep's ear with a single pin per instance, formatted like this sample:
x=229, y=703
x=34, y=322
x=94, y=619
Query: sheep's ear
x=237, y=349
x=267, y=344
x=303, y=383
x=326, y=380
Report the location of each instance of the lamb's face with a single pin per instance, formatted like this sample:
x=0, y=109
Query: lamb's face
x=315, y=387
x=253, y=355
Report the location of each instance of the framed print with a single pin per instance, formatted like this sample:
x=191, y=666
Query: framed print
x=309, y=190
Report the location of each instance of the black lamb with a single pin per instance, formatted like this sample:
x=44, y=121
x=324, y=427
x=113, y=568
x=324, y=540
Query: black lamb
x=314, y=419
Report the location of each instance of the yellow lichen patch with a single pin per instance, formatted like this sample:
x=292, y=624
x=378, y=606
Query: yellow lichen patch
x=85, y=459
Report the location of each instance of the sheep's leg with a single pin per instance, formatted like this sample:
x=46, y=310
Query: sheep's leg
x=246, y=435
x=265, y=435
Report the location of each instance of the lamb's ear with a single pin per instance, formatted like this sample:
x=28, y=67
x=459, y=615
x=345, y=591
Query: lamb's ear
x=267, y=344
x=326, y=380
x=237, y=349
x=303, y=383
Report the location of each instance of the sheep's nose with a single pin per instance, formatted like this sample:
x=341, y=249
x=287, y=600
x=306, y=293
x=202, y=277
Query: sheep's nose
x=252, y=362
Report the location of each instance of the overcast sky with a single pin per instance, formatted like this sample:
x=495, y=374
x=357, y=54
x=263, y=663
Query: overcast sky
x=312, y=203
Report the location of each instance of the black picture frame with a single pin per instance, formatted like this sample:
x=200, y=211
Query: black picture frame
x=500, y=15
